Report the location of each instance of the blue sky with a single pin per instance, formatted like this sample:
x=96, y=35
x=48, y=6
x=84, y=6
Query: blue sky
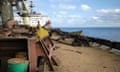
x=80, y=13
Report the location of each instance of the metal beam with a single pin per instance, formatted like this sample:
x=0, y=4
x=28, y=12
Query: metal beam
x=6, y=11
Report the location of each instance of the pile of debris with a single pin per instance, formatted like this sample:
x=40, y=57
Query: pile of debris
x=12, y=29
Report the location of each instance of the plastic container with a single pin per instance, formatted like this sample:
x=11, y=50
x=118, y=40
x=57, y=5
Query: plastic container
x=17, y=65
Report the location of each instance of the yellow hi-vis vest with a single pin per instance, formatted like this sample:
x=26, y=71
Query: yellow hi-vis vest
x=41, y=33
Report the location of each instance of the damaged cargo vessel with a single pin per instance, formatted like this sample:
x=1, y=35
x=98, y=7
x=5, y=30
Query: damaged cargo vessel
x=24, y=47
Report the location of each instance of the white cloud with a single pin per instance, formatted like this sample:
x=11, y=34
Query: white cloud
x=69, y=7
x=106, y=17
x=117, y=10
x=95, y=17
x=59, y=0
x=65, y=19
x=64, y=6
x=74, y=16
x=63, y=12
x=96, y=20
x=85, y=7
x=60, y=14
x=103, y=11
x=110, y=15
x=108, y=11
x=110, y=18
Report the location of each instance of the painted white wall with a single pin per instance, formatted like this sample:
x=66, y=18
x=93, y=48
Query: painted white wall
x=33, y=20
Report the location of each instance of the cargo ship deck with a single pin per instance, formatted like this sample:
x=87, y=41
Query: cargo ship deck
x=86, y=59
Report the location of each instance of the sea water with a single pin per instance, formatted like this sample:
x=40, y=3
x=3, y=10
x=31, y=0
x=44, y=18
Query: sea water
x=112, y=34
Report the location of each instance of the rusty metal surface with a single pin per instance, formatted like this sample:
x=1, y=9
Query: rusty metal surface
x=19, y=31
x=39, y=51
x=12, y=29
x=32, y=55
x=38, y=48
x=10, y=46
x=86, y=40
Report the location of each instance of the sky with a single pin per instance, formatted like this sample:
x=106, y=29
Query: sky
x=80, y=13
